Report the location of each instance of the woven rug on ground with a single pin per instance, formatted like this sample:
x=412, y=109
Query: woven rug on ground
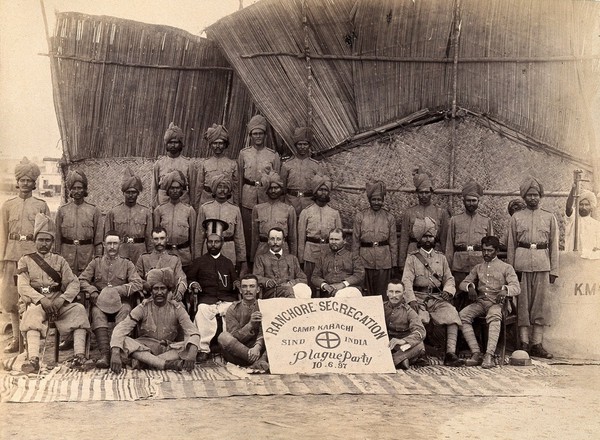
x=213, y=380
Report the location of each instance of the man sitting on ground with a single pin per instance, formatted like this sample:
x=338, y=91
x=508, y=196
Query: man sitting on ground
x=243, y=343
x=159, y=320
x=488, y=284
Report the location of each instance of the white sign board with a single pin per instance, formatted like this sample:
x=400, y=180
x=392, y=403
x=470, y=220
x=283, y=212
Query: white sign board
x=343, y=335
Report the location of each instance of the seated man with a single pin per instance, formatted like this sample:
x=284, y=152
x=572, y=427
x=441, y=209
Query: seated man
x=111, y=282
x=430, y=286
x=405, y=329
x=47, y=284
x=214, y=279
x=243, y=343
x=278, y=272
x=160, y=258
x=338, y=272
x=159, y=320
x=488, y=284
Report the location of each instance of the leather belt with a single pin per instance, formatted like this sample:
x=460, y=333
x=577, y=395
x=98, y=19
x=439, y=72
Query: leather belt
x=533, y=245
x=464, y=247
x=173, y=247
x=317, y=240
x=134, y=239
x=77, y=242
x=252, y=182
x=298, y=193
x=20, y=237
x=47, y=290
x=374, y=243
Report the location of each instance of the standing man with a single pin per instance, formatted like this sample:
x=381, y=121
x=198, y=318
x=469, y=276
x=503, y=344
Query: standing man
x=160, y=258
x=273, y=213
x=429, y=286
x=47, y=285
x=424, y=190
x=215, y=165
x=16, y=239
x=375, y=241
x=253, y=161
x=314, y=225
x=588, y=228
x=234, y=242
x=173, y=161
x=214, y=280
x=532, y=249
x=177, y=217
x=488, y=284
x=339, y=272
x=465, y=231
x=278, y=272
x=130, y=219
x=243, y=343
x=112, y=284
x=297, y=173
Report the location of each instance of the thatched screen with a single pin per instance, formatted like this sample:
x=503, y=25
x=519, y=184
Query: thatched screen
x=119, y=83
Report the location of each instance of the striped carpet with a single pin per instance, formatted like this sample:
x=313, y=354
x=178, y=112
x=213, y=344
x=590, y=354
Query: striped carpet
x=213, y=380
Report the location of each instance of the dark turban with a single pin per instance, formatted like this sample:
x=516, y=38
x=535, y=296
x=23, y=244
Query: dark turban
x=257, y=122
x=472, y=188
x=173, y=176
x=173, y=132
x=318, y=181
x=375, y=188
x=422, y=180
x=422, y=226
x=130, y=180
x=76, y=176
x=27, y=169
x=301, y=134
x=215, y=133
x=531, y=182
x=220, y=178
x=269, y=178
x=164, y=275
x=43, y=224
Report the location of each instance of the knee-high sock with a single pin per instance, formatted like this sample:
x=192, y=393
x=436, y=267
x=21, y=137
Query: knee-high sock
x=493, y=334
x=451, y=335
x=79, y=340
x=469, y=334
x=524, y=334
x=14, y=320
x=149, y=359
x=538, y=334
x=33, y=343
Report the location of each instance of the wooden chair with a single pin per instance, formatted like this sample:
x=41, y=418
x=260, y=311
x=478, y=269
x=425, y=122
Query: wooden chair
x=508, y=319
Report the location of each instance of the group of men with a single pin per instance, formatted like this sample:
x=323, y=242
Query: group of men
x=296, y=248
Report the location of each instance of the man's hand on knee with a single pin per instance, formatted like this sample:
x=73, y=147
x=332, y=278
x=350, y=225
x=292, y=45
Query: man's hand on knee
x=254, y=353
x=116, y=365
x=46, y=304
x=446, y=296
x=190, y=360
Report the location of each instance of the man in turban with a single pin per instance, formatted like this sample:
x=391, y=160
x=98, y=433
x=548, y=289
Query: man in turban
x=48, y=287
x=214, y=280
x=16, y=239
x=177, y=217
x=314, y=225
x=132, y=220
x=221, y=208
x=253, y=162
x=273, y=213
x=159, y=321
x=217, y=164
x=112, y=284
x=429, y=286
x=297, y=172
x=463, y=243
x=425, y=208
x=532, y=249
x=173, y=161
x=588, y=228
x=374, y=240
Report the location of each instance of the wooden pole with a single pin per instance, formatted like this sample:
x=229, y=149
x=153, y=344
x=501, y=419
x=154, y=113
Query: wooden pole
x=456, y=45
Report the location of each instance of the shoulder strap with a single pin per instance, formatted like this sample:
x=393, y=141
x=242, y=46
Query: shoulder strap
x=46, y=267
x=421, y=258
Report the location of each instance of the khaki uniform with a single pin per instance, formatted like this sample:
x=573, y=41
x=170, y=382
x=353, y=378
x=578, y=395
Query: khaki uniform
x=234, y=242
x=180, y=222
x=297, y=175
x=163, y=166
x=206, y=170
x=463, y=242
x=17, y=217
x=134, y=224
x=336, y=267
x=314, y=223
x=269, y=215
x=281, y=270
x=402, y=322
x=158, y=260
x=408, y=243
x=78, y=223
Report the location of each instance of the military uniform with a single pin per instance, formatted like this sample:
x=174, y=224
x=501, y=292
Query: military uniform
x=234, y=243
x=297, y=175
x=78, y=234
x=285, y=271
x=163, y=166
x=206, y=170
x=241, y=334
x=179, y=220
x=338, y=267
x=374, y=239
x=158, y=260
x=402, y=322
x=408, y=243
x=269, y=215
x=134, y=225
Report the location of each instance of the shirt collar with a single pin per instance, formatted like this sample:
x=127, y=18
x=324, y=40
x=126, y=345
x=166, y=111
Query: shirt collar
x=215, y=256
x=280, y=253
